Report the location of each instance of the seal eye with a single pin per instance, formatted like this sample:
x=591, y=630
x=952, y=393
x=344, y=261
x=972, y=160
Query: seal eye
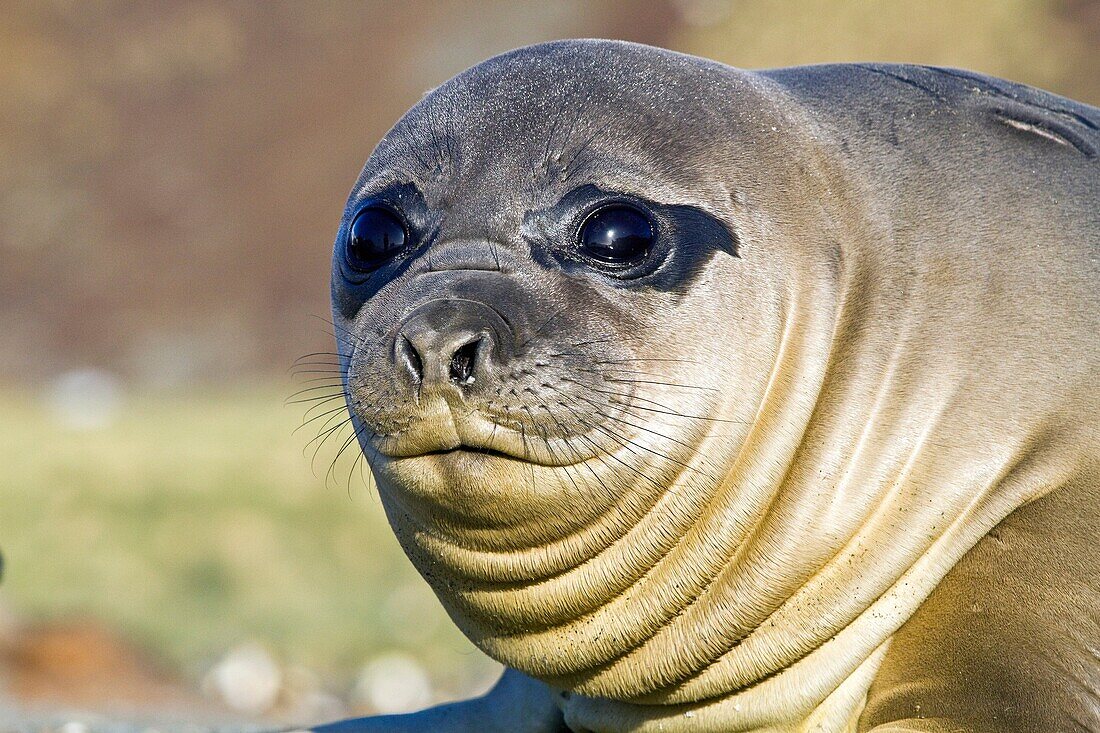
x=376, y=235
x=617, y=235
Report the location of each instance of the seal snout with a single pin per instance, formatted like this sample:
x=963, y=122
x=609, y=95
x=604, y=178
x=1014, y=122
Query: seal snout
x=447, y=344
x=465, y=361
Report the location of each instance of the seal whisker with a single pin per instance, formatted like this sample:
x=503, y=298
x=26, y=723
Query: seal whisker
x=303, y=357
x=606, y=338
x=624, y=361
x=643, y=428
x=328, y=381
x=326, y=427
x=662, y=384
x=324, y=436
x=647, y=430
x=320, y=399
x=612, y=456
x=331, y=473
x=318, y=404
x=318, y=417
x=666, y=409
x=550, y=449
x=360, y=458
x=337, y=326
x=336, y=366
x=621, y=371
x=307, y=390
x=527, y=454
x=599, y=412
x=600, y=452
x=620, y=440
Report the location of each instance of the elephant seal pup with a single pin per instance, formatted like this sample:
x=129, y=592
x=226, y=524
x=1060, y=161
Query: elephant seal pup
x=714, y=400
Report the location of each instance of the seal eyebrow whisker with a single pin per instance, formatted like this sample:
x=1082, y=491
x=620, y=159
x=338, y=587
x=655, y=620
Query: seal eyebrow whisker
x=559, y=152
x=568, y=170
x=486, y=235
x=405, y=137
x=550, y=139
x=446, y=150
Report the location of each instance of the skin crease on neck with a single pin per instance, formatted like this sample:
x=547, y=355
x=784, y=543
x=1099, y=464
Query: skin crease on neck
x=791, y=468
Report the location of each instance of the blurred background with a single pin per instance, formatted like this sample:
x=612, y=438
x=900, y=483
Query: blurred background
x=171, y=176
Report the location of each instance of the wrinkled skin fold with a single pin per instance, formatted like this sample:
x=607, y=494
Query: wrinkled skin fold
x=827, y=458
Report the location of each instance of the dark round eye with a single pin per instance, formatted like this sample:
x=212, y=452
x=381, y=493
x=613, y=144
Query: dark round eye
x=617, y=234
x=376, y=235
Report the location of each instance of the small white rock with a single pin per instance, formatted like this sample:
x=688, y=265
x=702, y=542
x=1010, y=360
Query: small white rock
x=393, y=683
x=73, y=727
x=85, y=399
x=247, y=679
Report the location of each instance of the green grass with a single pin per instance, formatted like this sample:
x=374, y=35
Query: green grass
x=194, y=522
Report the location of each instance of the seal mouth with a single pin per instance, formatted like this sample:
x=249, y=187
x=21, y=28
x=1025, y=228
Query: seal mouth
x=504, y=447
x=475, y=449
x=445, y=433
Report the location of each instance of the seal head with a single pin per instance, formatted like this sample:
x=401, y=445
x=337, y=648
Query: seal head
x=678, y=394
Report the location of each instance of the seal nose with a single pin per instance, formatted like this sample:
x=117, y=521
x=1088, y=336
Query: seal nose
x=435, y=347
x=464, y=362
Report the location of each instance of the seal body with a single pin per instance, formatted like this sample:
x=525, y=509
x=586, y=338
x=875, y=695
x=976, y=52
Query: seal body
x=820, y=451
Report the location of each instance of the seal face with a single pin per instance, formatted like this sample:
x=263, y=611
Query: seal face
x=684, y=387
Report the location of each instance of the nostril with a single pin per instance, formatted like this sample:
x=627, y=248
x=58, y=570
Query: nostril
x=464, y=361
x=411, y=359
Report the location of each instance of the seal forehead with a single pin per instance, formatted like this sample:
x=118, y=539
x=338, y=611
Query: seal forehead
x=566, y=111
